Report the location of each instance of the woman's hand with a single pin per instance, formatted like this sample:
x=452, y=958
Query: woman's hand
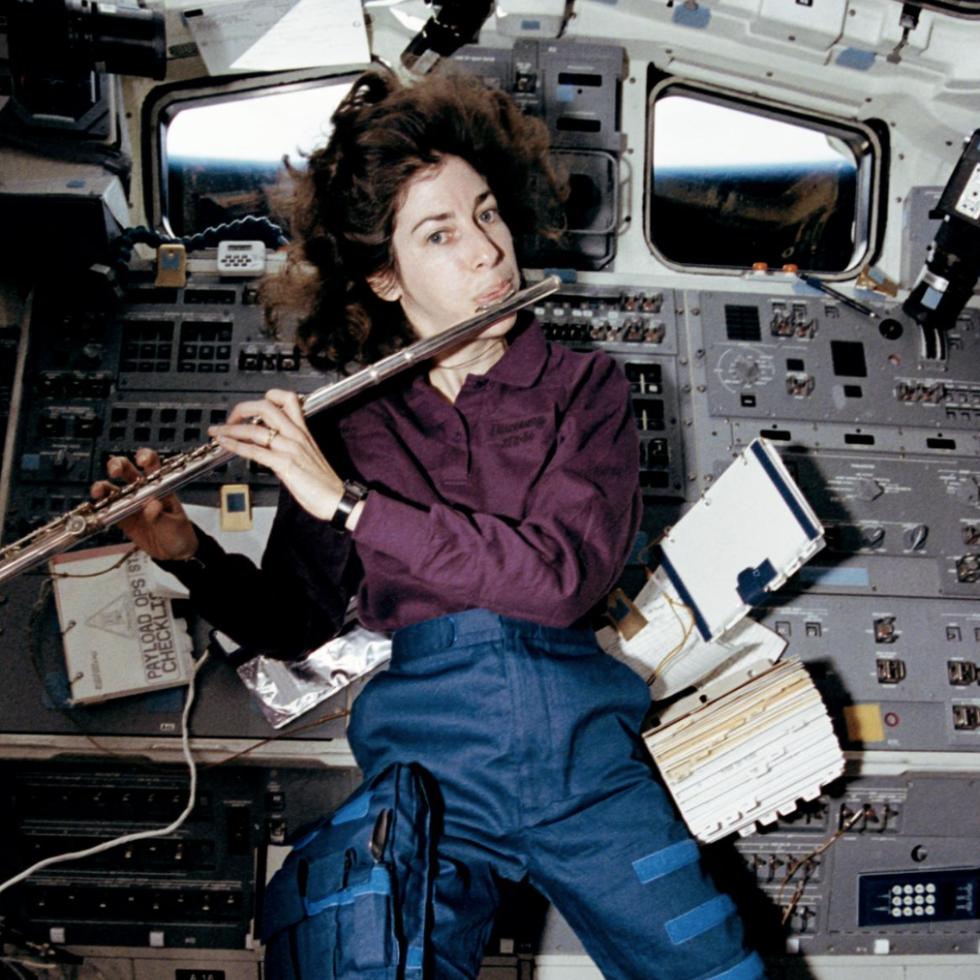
x=161, y=528
x=274, y=433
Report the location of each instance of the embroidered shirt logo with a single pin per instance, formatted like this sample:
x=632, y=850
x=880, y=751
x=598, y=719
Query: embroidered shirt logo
x=508, y=434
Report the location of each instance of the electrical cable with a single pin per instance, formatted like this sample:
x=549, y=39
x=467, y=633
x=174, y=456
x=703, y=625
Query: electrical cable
x=143, y=834
x=340, y=713
x=687, y=631
x=249, y=227
x=808, y=862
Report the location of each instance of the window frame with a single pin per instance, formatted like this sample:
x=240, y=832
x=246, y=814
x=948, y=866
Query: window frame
x=166, y=101
x=872, y=166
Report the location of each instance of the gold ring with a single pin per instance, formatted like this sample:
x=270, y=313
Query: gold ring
x=272, y=435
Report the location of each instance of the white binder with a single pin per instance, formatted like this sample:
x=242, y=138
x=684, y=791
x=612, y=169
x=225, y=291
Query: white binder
x=744, y=537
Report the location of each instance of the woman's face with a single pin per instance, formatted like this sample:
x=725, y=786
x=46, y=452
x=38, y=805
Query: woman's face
x=453, y=254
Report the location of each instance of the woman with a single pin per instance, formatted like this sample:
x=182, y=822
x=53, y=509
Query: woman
x=480, y=509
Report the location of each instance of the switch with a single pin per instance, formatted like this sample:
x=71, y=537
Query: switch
x=969, y=491
x=868, y=489
x=872, y=537
x=746, y=370
x=915, y=538
x=968, y=568
x=890, y=671
x=884, y=630
x=962, y=673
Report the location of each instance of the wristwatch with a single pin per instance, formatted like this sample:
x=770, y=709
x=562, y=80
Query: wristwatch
x=354, y=492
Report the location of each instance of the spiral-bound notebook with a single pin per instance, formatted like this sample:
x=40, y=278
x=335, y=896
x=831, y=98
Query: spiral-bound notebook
x=120, y=637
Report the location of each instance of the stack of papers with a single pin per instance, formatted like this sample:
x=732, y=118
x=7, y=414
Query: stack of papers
x=750, y=754
x=755, y=738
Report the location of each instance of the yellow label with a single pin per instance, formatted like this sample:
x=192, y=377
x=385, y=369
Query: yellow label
x=864, y=723
x=624, y=614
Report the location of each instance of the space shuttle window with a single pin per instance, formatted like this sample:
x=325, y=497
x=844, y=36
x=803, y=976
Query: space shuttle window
x=219, y=155
x=733, y=184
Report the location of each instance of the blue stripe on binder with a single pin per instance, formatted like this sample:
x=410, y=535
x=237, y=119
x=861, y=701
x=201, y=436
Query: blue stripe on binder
x=685, y=596
x=812, y=531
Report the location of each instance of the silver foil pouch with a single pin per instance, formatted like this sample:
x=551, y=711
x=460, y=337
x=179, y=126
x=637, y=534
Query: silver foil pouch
x=287, y=689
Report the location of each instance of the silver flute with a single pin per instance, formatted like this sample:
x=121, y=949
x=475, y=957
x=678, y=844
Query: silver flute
x=94, y=516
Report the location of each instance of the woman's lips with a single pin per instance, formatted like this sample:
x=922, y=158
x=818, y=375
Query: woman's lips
x=495, y=295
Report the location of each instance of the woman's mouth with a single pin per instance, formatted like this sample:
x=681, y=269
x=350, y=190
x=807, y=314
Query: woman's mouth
x=495, y=295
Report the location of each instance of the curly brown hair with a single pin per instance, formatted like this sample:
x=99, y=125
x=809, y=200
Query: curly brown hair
x=344, y=204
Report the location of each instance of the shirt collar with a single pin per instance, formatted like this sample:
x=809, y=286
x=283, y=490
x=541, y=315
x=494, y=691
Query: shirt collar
x=525, y=357
x=520, y=367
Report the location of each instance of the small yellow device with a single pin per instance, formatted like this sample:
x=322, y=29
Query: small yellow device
x=171, y=265
x=236, y=507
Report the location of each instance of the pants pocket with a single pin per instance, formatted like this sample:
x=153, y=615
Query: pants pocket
x=365, y=922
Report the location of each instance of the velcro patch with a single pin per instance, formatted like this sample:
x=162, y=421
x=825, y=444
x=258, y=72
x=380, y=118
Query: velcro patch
x=699, y=919
x=664, y=861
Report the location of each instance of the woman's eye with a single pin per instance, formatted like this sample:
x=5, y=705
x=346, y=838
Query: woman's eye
x=436, y=238
x=489, y=215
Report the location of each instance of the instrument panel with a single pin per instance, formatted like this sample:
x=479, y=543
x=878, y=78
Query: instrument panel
x=885, y=618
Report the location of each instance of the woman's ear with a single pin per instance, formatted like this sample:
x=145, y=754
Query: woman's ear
x=385, y=286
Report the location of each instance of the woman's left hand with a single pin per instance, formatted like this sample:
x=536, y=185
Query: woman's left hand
x=273, y=432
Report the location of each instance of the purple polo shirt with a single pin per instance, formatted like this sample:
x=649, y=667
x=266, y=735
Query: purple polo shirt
x=522, y=497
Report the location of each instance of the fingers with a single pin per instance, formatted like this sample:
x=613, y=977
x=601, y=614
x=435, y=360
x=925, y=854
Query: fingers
x=272, y=432
x=102, y=488
x=148, y=460
x=153, y=509
x=121, y=468
x=290, y=404
x=238, y=438
x=270, y=413
x=248, y=433
x=280, y=410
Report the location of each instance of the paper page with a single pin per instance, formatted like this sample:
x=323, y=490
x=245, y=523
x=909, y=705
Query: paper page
x=276, y=35
x=668, y=651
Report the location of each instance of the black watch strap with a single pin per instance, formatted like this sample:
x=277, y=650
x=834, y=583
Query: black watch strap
x=354, y=492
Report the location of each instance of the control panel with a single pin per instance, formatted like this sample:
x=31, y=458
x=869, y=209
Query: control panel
x=898, y=875
x=882, y=441
x=195, y=887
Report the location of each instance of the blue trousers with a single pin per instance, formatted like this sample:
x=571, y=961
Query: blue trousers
x=532, y=734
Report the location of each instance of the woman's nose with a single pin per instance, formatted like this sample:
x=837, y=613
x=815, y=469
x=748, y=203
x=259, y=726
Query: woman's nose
x=482, y=249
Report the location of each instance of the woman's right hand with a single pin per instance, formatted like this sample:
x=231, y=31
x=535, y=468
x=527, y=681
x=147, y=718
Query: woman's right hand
x=161, y=528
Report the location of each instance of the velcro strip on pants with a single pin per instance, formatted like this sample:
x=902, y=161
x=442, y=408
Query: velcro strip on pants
x=665, y=861
x=700, y=919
